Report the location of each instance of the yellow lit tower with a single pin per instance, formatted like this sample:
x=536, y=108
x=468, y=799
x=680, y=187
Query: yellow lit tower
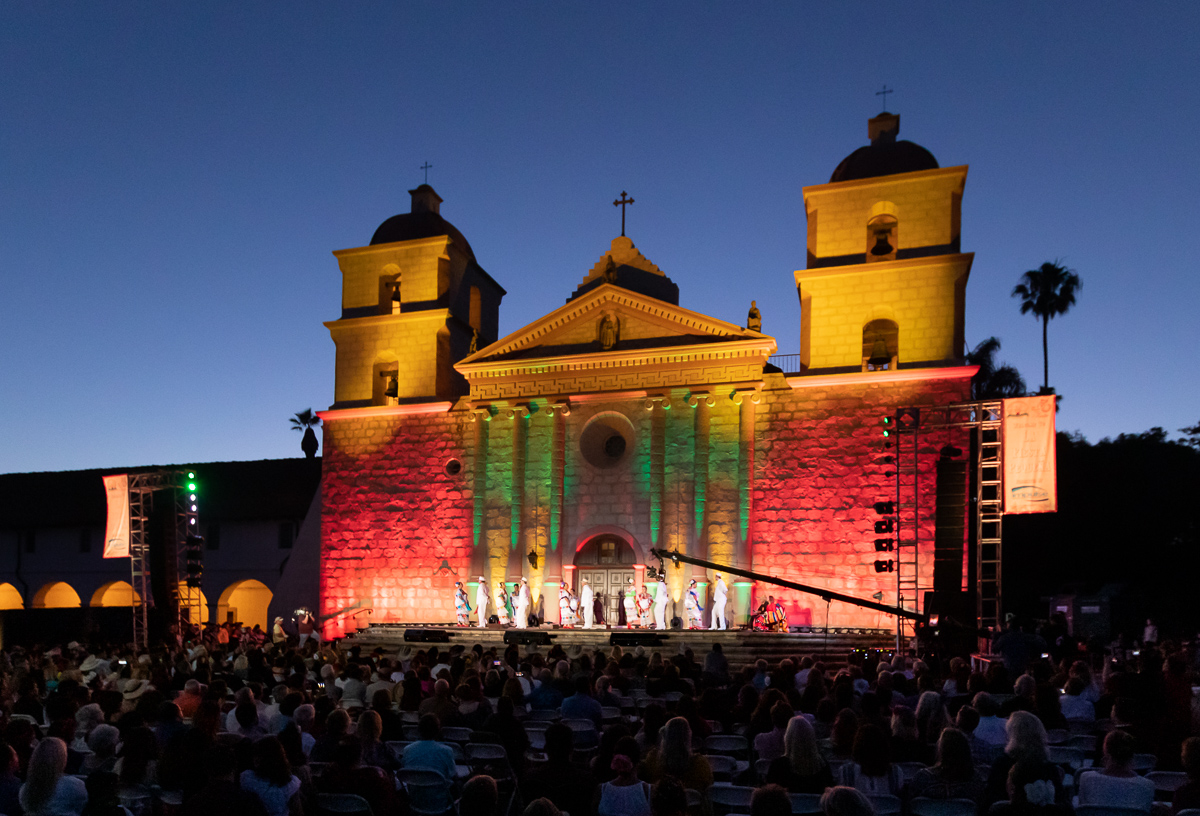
x=885, y=284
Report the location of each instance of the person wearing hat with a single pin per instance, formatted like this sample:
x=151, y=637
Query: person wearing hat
x=481, y=601
x=644, y=604
x=660, y=603
x=278, y=636
x=691, y=602
x=462, y=609
x=720, y=598
x=586, y=596
x=521, y=606
x=565, y=618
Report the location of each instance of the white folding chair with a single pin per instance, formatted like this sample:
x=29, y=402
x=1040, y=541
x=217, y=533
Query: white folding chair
x=1144, y=763
x=1167, y=781
x=723, y=767
x=730, y=744
x=761, y=766
x=806, y=804
x=885, y=804
x=1100, y=810
x=726, y=799
x=428, y=792
x=910, y=769
x=342, y=804
x=460, y=735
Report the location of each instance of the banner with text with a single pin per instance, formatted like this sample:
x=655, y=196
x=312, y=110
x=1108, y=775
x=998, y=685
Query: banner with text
x=116, y=534
x=1030, y=467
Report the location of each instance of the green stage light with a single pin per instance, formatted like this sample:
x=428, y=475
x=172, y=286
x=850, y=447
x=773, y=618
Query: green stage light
x=889, y=425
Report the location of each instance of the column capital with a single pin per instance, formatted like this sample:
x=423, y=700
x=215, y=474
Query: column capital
x=663, y=401
x=695, y=400
x=753, y=394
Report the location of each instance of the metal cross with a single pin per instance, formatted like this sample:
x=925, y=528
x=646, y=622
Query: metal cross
x=426, y=167
x=621, y=202
x=886, y=90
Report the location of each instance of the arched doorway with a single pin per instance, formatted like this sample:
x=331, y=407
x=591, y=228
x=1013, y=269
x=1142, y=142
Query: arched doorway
x=607, y=561
x=56, y=595
x=197, y=612
x=10, y=597
x=245, y=602
x=115, y=593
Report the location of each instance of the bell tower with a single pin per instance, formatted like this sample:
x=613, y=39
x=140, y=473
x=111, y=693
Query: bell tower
x=885, y=284
x=414, y=303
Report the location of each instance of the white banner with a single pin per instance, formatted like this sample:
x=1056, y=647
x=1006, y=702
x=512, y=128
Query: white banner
x=116, y=534
x=1030, y=466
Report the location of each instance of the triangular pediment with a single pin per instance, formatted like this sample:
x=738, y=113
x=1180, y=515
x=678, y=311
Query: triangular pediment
x=612, y=320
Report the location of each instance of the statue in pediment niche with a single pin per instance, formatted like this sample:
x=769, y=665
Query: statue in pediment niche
x=754, y=319
x=474, y=342
x=610, y=271
x=609, y=329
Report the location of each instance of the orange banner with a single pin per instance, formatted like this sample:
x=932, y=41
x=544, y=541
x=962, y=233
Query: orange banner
x=1030, y=466
x=116, y=534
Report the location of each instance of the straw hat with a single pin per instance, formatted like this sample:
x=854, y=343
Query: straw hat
x=89, y=664
x=135, y=689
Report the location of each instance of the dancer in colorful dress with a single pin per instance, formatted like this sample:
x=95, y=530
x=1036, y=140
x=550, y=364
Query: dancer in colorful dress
x=720, y=598
x=566, y=619
x=521, y=606
x=481, y=601
x=462, y=609
x=502, y=604
x=629, y=603
x=644, y=603
x=691, y=602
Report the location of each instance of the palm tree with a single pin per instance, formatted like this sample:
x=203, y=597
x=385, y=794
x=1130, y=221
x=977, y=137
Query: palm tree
x=305, y=421
x=1047, y=291
x=993, y=381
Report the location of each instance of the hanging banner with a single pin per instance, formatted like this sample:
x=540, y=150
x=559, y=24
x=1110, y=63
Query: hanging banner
x=116, y=534
x=1030, y=469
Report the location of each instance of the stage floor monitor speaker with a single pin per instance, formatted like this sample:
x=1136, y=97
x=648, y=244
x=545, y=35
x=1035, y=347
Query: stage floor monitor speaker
x=636, y=639
x=527, y=637
x=426, y=636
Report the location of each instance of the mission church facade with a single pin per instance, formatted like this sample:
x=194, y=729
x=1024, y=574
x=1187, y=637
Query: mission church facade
x=622, y=422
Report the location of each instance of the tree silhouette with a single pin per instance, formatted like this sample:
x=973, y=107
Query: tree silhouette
x=1047, y=291
x=305, y=421
x=993, y=381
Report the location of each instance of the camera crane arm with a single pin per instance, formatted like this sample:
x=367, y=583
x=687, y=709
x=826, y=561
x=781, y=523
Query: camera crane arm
x=825, y=594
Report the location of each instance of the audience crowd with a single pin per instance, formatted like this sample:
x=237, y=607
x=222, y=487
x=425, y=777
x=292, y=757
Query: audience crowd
x=250, y=726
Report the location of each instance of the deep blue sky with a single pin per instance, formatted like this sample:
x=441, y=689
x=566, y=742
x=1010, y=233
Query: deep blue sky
x=174, y=177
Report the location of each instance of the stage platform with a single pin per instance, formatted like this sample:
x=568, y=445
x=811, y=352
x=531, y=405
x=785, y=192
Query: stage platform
x=741, y=647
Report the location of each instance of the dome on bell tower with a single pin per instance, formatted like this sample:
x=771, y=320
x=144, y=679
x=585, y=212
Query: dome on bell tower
x=885, y=155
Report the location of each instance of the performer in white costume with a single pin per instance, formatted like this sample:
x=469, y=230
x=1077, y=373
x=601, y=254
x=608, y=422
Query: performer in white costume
x=691, y=602
x=481, y=601
x=644, y=603
x=660, y=604
x=565, y=617
x=521, y=607
x=586, y=596
x=502, y=604
x=720, y=598
x=629, y=602
x=462, y=609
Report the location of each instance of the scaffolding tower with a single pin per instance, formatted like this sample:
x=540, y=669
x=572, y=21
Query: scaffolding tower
x=983, y=420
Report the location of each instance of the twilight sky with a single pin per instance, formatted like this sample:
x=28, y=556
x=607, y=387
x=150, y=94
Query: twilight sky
x=174, y=177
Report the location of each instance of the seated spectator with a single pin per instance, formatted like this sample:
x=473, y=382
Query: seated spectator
x=189, y=699
x=246, y=717
x=931, y=716
x=374, y=752
x=673, y=757
x=770, y=800
x=1117, y=785
x=844, y=801
x=967, y=721
x=1187, y=796
x=103, y=742
x=625, y=794
x=872, y=771
x=271, y=778
x=137, y=764
x=337, y=725
x=221, y=793
x=427, y=754
x=441, y=705
x=906, y=742
x=473, y=707
x=393, y=725
x=992, y=728
x=769, y=745
x=559, y=780
x=841, y=735
x=304, y=718
x=954, y=776
x=1047, y=706
x=86, y=719
x=479, y=797
x=10, y=783
x=541, y=807
x=354, y=690
x=103, y=795
x=1034, y=789
x=581, y=705
x=1074, y=704
x=47, y=790
x=1027, y=745
x=349, y=774
x=1024, y=690
x=801, y=769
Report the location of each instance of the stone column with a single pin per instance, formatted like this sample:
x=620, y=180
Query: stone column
x=481, y=420
x=701, y=450
x=742, y=596
x=517, y=500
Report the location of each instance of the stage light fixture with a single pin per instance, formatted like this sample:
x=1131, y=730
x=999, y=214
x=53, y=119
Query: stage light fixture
x=885, y=508
x=889, y=425
x=533, y=559
x=883, y=545
x=885, y=526
x=885, y=566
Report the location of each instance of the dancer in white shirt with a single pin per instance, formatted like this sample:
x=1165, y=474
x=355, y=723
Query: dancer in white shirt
x=521, y=606
x=660, y=604
x=586, y=596
x=481, y=601
x=720, y=597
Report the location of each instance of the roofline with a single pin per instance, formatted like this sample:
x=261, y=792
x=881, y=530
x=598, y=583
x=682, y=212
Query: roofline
x=746, y=345
x=954, y=262
x=445, y=240
x=870, y=377
x=385, y=411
